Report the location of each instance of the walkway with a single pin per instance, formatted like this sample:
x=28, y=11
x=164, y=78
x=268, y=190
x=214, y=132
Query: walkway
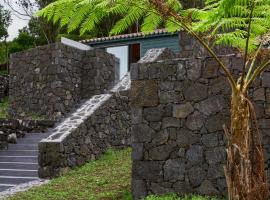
x=19, y=164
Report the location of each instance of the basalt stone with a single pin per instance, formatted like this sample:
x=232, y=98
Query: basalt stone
x=181, y=152
x=160, y=189
x=211, y=105
x=160, y=138
x=182, y=188
x=166, y=97
x=267, y=109
x=142, y=133
x=174, y=170
x=210, y=140
x=215, y=123
x=186, y=137
x=264, y=123
x=259, y=94
x=171, y=122
x=207, y=188
x=196, y=92
x=267, y=95
x=153, y=114
x=144, y=93
x=195, y=121
x=215, y=155
x=182, y=110
x=137, y=151
x=222, y=186
x=210, y=69
x=155, y=125
x=139, y=189
x=196, y=175
x=266, y=79
x=149, y=170
x=166, y=85
x=181, y=72
x=219, y=85
x=153, y=55
x=194, y=69
x=215, y=171
x=134, y=71
x=194, y=154
x=162, y=152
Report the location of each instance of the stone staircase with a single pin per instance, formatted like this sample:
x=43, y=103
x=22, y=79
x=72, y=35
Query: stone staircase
x=19, y=163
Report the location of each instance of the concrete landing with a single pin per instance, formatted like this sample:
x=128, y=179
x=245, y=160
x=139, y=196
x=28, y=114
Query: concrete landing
x=19, y=163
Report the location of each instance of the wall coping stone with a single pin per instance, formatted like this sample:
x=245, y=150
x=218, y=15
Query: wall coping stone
x=75, y=119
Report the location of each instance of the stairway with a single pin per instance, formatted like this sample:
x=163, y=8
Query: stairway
x=19, y=164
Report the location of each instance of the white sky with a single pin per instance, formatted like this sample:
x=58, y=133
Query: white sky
x=17, y=24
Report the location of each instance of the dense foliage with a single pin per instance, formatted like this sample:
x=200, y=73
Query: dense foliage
x=228, y=21
x=5, y=21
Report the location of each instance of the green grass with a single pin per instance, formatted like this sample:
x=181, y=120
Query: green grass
x=4, y=108
x=105, y=179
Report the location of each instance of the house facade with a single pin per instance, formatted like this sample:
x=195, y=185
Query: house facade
x=129, y=48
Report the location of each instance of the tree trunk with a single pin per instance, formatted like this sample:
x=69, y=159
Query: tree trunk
x=245, y=174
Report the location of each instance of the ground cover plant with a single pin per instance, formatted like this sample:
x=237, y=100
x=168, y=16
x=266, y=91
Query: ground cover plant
x=106, y=178
x=242, y=24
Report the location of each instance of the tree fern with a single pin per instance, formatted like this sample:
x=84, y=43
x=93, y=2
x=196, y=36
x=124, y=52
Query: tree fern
x=225, y=22
x=225, y=18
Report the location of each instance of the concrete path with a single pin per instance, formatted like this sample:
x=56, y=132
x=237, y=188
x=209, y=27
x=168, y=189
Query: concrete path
x=19, y=164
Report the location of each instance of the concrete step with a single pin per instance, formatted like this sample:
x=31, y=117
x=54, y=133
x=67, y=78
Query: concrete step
x=23, y=147
x=19, y=172
x=36, y=135
x=16, y=179
x=23, y=159
x=18, y=165
x=19, y=153
x=28, y=140
x=4, y=187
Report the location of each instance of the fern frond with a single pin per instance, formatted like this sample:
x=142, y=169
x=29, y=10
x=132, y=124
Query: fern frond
x=134, y=15
x=151, y=22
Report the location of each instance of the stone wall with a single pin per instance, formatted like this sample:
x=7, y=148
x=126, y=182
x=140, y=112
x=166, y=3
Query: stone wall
x=49, y=80
x=178, y=109
x=100, y=123
x=4, y=80
x=20, y=128
x=191, y=48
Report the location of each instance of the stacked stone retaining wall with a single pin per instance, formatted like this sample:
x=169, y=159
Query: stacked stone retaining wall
x=49, y=81
x=178, y=109
x=100, y=123
x=4, y=81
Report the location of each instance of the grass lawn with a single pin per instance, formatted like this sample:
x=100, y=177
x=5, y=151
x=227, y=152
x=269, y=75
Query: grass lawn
x=105, y=179
x=4, y=108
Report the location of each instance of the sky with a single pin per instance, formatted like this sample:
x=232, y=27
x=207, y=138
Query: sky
x=17, y=24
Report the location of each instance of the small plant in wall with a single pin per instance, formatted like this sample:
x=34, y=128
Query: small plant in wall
x=242, y=24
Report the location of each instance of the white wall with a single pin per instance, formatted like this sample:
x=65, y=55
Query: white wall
x=121, y=53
